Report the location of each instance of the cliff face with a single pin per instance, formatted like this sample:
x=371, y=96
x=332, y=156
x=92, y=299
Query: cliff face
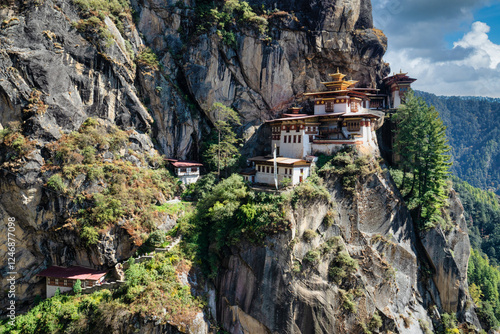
x=276, y=288
x=307, y=41
x=57, y=68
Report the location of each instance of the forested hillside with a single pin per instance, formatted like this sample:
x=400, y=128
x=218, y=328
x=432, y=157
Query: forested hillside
x=473, y=130
x=482, y=211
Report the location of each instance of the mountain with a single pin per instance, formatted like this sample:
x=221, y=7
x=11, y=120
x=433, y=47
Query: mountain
x=473, y=130
x=96, y=94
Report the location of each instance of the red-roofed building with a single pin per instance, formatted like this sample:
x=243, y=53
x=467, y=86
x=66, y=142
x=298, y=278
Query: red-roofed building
x=64, y=278
x=187, y=171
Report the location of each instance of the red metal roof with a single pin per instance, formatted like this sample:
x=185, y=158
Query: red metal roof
x=184, y=163
x=74, y=272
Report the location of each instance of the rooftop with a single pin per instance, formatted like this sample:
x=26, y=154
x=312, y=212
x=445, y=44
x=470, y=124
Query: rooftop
x=74, y=272
x=184, y=163
x=280, y=160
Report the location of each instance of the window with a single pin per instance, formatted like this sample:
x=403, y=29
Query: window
x=286, y=171
x=294, y=139
x=290, y=171
x=300, y=139
x=298, y=129
x=267, y=169
x=65, y=282
x=278, y=150
x=194, y=169
x=183, y=170
x=56, y=281
x=272, y=170
x=277, y=170
x=284, y=139
x=287, y=129
x=302, y=171
x=353, y=125
x=258, y=168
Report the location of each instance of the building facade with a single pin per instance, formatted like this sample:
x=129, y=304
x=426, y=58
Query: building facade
x=187, y=171
x=64, y=279
x=343, y=115
x=288, y=170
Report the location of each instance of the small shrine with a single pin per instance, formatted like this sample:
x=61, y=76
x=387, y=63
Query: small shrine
x=187, y=171
x=63, y=278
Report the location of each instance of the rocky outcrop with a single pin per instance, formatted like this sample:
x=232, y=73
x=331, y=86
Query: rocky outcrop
x=448, y=249
x=260, y=77
x=274, y=288
x=53, y=77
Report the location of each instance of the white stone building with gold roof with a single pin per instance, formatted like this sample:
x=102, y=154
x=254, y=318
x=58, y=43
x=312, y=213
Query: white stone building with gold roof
x=343, y=115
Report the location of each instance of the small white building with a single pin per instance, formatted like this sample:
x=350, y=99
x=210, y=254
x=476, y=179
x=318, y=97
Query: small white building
x=296, y=170
x=187, y=171
x=63, y=278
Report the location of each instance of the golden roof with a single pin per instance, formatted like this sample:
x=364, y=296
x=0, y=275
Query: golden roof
x=337, y=76
x=339, y=83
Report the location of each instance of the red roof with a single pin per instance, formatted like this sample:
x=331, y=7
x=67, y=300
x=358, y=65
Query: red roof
x=74, y=272
x=179, y=164
x=184, y=163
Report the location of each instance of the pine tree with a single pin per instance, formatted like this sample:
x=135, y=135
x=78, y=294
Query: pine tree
x=223, y=152
x=422, y=149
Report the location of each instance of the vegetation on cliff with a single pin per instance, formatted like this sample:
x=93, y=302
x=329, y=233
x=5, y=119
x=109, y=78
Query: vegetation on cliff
x=230, y=210
x=153, y=290
x=227, y=16
x=107, y=181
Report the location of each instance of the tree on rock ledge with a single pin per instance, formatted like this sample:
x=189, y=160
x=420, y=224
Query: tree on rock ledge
x=422, y=149
x=222, y=151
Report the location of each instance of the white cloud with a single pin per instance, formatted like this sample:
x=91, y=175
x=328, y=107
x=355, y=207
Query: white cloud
x=485, y=52
x=469, y=68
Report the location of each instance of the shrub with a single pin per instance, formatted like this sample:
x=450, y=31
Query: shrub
x=375, y=322
x=348, y=302
x=156, y=238
x=342, y=266
x=148, y=58
x=329, y=219
x=56, y=183
x=310, y=190
x=309, y=235
x=312, y=256
x=286, y=182
x=90, y=235
x=348, y=165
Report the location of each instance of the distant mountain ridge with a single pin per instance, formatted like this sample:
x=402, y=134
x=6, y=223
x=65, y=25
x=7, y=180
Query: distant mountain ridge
x=473, y=130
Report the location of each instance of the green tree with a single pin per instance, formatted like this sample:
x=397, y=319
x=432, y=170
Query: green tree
x=223, y=152
x=422, y=148
x=77, y=288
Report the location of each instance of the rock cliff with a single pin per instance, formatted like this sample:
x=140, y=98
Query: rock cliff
x=277, y=287
x=62, y=62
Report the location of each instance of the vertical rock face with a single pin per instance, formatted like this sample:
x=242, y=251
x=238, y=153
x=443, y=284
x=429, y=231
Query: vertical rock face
x=271, y=288
x=259, y=77
x=274, y=288
x=449, y=250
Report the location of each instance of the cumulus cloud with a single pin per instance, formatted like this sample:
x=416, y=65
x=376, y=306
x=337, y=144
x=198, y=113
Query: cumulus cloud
x=486, y=53
x=417, y=31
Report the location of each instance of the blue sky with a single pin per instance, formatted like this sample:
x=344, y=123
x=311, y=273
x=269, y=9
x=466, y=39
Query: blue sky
x=451, y=46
